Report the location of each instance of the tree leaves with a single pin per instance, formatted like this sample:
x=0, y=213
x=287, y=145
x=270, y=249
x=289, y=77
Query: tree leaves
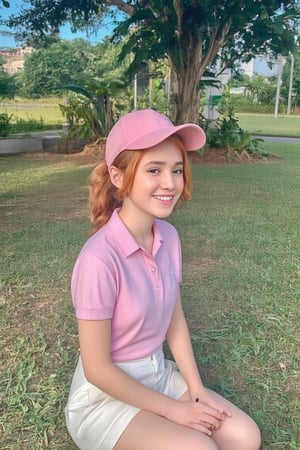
x=192, y=34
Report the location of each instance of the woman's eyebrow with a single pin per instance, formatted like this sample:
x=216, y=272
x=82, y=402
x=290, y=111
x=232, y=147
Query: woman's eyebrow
x=163, y=163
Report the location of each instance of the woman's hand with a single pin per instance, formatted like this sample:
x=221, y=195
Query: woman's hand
x=205, y=396
x=197, y=415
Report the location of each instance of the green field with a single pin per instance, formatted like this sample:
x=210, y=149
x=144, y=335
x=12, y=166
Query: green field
x=241, y=290
x=48, y=110
x=265, y=124
x=45, y=109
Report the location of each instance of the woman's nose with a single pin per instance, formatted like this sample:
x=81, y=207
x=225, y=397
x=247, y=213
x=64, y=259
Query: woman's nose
x=167, y=180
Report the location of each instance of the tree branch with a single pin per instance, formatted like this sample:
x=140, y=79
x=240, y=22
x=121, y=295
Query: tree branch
x=178, y=10
x=216, y=43
x=122, y=6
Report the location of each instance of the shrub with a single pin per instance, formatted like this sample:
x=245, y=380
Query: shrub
x=27, y=125
x=227, y=134
x=246, y=104
x=5, y=123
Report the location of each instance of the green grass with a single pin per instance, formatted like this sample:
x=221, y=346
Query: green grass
x=241, y=290
x=39, y=110
x=266, y=124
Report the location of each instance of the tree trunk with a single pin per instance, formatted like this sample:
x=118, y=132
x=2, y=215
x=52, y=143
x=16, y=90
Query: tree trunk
x=186, y=88
x=189, y=64
x=186, y=97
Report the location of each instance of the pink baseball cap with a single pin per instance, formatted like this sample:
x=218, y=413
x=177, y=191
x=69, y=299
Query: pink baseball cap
x=142, y=129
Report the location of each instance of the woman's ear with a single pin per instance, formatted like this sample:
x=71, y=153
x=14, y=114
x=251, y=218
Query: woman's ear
x=116, y=177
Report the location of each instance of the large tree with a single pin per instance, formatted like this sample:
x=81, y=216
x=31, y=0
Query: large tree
x=48, y=69
x=8, y=85
x=193, y=35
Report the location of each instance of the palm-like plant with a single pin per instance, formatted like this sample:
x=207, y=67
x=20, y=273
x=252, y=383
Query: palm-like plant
x=92, y=111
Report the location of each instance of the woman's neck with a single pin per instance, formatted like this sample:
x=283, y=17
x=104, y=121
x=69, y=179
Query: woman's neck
x=141, y=228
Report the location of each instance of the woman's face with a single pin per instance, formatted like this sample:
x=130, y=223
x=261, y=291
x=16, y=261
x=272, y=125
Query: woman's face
x=158, y=182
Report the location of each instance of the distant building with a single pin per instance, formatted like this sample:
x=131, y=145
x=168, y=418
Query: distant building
x=248, y=68
x=213, y=94
x=14, y=59
x=260, y=66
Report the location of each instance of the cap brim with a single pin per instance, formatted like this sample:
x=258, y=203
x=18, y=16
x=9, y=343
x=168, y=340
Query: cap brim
x=191, y=135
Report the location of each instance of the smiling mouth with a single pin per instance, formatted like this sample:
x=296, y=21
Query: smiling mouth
x=164, y=198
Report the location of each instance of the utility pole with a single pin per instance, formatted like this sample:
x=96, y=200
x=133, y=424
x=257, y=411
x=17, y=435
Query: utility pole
x=135, y=92
x=279, y=75
x=169, y=90
x=290, y=86
x=150, y=84
x=134, y=86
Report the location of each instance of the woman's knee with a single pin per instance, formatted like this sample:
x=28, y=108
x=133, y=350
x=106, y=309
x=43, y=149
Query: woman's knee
x=244, y=435
x=251, y=435
x=200, y=443
x=254, y=437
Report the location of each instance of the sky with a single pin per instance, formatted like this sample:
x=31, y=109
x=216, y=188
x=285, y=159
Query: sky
x=7, y=41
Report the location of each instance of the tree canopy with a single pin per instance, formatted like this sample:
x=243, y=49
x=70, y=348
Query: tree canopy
x=8, y=85
x=193, y=35
x=48, y=70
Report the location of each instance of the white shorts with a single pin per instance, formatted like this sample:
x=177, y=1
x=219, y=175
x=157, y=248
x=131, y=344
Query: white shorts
x=96, y=420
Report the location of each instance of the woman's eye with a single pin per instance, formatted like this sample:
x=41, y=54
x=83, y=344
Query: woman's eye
x=156, y=171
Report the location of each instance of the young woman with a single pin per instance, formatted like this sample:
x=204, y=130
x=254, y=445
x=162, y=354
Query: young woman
x=125, y=287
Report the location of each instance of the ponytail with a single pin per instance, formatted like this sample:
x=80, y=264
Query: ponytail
x=102, y=196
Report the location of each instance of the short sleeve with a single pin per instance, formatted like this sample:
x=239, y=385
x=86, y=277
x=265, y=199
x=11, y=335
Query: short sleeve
x=93, y=288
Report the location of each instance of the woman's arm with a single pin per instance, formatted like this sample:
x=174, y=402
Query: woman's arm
x=95, y=338
x=179, y=341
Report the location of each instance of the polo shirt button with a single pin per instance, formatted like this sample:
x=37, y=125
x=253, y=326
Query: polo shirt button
x=153, y=269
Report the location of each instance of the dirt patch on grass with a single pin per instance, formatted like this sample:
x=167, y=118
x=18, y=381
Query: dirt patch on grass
x=56, y=197
x=92, y=153
x=224, y=156
x=78, y=159
x=17, y=214
x=200, y=266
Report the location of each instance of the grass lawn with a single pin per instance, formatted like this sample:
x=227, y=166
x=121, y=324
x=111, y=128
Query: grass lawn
x=46, y=109
x=241, y=290
x=265, y=124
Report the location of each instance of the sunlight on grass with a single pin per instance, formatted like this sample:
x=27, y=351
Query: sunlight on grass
x=30, y=174
x=46, y=109
x=266, y=124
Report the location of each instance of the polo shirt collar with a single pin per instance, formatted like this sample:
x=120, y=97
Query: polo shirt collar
x=124, y=239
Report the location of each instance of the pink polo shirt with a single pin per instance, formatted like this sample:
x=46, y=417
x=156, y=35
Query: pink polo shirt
x=115, y=278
